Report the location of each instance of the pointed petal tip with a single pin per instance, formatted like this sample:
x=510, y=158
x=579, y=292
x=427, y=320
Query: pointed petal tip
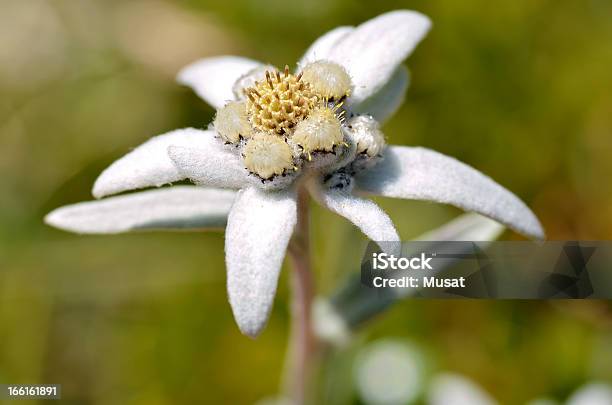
x=423, y=20
x=110, y=182
x=54, y=218
x=251, y=309
x=250, y=328
x=363, y=213
x=148, y=165
x=100, y=188
x=414, y=18
x=534, y=229
x=182, y=76
x=61, y=219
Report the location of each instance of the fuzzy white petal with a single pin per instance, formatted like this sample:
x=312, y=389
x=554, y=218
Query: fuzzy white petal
x=211, y=167
x=179, y=207
x=321, y=48
x=466, y=227
x=149, y=165
x=259, y=227
x=213, y=78
x=385, y=102
x=365, y=214
x=374, y=50
x=422, y=174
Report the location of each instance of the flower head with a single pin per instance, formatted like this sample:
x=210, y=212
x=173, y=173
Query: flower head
x=276, y=132
x=281, y=122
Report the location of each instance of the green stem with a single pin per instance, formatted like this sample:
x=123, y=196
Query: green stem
x=302, y=343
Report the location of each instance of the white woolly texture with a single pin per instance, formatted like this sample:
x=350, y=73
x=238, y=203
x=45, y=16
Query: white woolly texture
x=223, y=169
x=319, y=50
x=454, y=389
x=422, y=174
x=213, y=78
x=366, y=134
x=211, y=167
x=148, y=165
x=173, y=208
x=466, y=227
x=385, y=102
x=363, y=213
x=373, y=51
x=259, y=227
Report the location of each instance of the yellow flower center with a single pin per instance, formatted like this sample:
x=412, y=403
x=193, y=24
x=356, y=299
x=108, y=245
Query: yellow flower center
x=277, y=104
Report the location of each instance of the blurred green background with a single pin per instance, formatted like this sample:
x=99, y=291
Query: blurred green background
x=522, y=90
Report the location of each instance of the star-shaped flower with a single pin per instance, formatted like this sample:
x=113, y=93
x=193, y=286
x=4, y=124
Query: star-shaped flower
x=277, y=134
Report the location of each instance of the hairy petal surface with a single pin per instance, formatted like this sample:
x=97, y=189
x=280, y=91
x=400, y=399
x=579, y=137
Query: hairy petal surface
x=365, y=214
x=149, y=165
x=172, y=208
x=373, y=51
x=213, y=78
x=423, y=174
x=209, y=167
x=385, y=102
x=259, y=227
x=321, y=48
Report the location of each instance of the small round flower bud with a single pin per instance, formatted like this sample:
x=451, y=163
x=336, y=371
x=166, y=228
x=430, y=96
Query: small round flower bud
x=267, y=155
x=320, y=132
x=365, y=132
x=232, y=122
x=328, y=79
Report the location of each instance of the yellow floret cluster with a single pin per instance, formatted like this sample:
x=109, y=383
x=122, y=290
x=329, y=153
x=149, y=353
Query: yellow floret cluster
x=280, y=102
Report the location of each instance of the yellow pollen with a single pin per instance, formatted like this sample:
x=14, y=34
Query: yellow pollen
x=277, y=104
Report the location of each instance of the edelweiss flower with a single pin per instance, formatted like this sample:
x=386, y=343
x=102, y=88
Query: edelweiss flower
x=277, y=134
